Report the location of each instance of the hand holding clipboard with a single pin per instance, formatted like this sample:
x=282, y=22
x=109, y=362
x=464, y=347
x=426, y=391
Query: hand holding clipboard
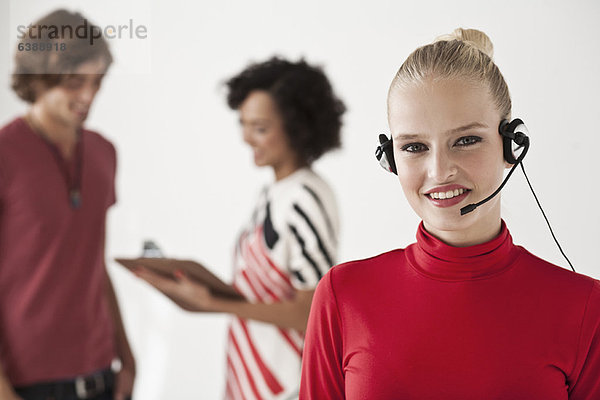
x=188, y=283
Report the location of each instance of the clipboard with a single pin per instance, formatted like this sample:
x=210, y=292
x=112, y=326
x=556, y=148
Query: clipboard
x=196, y=271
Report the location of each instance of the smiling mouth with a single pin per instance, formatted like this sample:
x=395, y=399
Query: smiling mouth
x=79, y=111
x=447, y=195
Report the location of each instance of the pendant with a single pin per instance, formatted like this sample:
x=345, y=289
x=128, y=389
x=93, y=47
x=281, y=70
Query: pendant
x=75, y=198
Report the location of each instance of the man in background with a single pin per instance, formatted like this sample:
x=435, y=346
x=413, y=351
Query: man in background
x=60, y=325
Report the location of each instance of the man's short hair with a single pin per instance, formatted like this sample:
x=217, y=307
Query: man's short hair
x=60, y=47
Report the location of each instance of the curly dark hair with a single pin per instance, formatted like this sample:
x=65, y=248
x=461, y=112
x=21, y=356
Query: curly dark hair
x=310, y=109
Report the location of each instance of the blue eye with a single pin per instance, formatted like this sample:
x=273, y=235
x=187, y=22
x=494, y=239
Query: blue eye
x=468, y=140
x=414, y=147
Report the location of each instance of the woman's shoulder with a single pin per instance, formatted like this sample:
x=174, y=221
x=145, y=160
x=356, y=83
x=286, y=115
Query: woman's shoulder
x=379, y=259
x=304, y=183
x=362, y=270
x=303, y=192
x=551, y=275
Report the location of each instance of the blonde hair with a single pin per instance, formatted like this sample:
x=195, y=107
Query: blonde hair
x=463, y=54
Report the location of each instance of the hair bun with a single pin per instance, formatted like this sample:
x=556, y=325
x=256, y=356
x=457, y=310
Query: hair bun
x=474, y=37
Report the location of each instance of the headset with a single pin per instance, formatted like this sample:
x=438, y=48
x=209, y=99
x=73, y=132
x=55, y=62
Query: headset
x=514, y=139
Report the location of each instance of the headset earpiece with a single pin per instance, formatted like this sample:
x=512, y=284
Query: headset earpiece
x=514, y=131
x=385, y=154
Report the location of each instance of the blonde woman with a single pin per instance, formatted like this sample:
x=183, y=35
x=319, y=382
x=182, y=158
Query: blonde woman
x=463, y=313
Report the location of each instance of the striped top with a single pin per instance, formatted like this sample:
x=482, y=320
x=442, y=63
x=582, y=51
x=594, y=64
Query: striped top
x=289, y=244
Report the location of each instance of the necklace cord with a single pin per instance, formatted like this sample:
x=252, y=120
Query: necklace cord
x=73, y=181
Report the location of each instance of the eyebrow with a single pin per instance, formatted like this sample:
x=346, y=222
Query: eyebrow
x=257, y=121
x=472, y=125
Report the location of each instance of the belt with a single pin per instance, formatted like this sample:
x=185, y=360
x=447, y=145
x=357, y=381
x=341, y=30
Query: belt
x=83, y=387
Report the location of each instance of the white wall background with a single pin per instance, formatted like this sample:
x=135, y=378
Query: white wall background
x=186, y=178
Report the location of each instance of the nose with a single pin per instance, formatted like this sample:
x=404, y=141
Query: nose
x=247, y=135
x=442, y=167
x=87, y=94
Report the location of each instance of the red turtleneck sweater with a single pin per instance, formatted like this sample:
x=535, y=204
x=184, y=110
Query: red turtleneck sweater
x=433, y=321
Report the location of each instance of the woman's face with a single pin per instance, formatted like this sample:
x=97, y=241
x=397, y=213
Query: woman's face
x=448, y=154
x=263, y=130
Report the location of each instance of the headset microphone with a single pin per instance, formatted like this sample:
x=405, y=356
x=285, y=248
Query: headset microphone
x=470, y=207
x=509, y=134
x=513, y=133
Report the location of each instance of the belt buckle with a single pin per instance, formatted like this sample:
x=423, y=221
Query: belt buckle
x=89, y=386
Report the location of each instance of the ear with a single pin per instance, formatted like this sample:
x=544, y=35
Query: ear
x=39, y=88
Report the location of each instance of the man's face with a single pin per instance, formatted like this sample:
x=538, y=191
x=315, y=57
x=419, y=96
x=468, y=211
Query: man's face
x=69, y=102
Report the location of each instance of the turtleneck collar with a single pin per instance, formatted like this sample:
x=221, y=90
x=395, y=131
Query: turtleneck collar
x=436, y=259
